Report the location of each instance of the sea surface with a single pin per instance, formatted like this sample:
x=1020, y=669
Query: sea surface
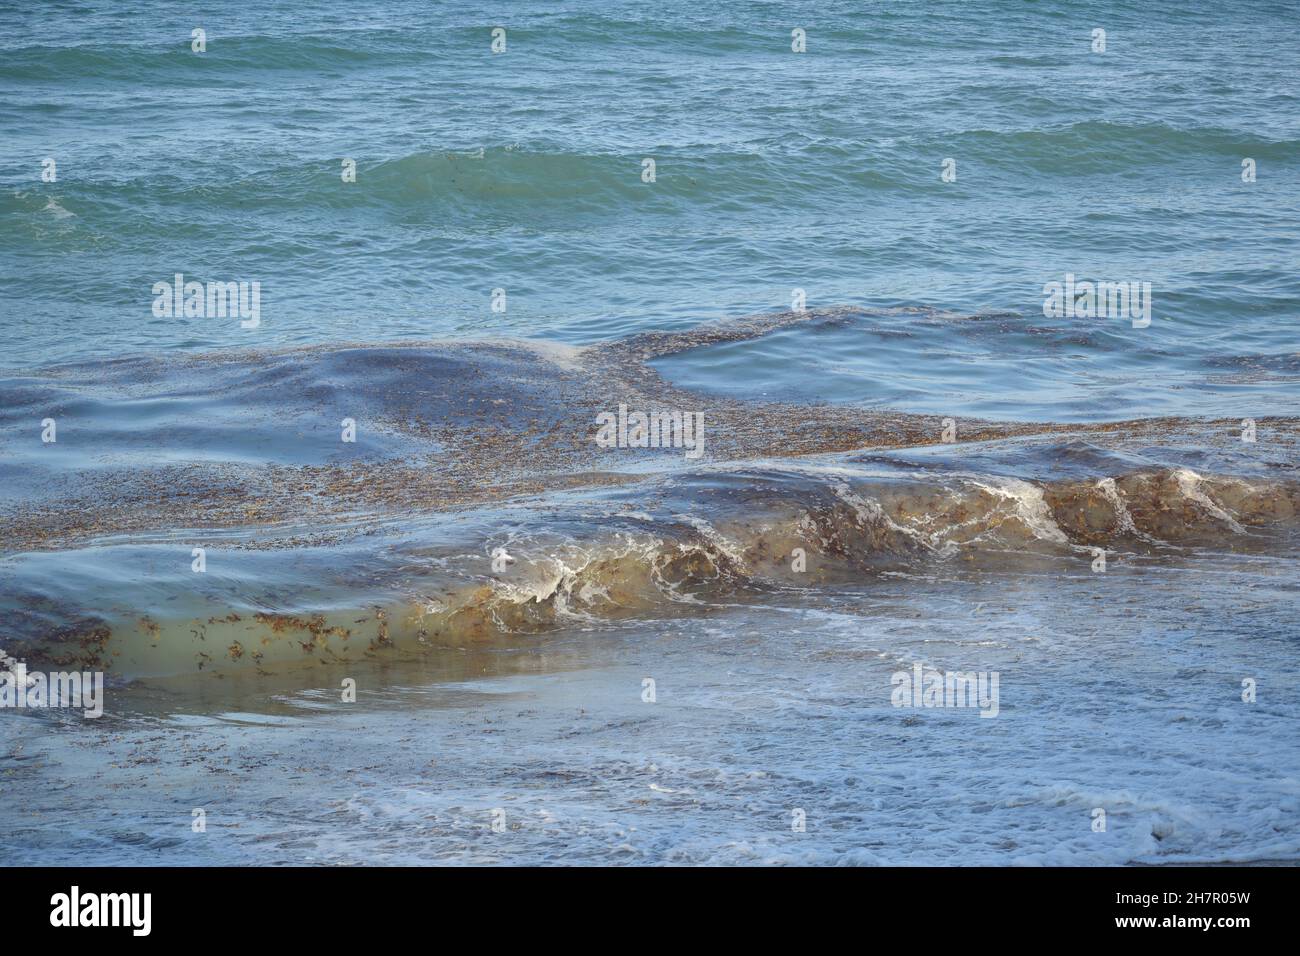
x=369, y=585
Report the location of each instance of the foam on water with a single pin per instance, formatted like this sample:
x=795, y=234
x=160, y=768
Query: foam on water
x=101, y=527
x=1118, y=691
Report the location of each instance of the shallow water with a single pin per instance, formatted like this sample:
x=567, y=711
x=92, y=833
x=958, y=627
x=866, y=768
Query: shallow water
x=1008, y=366
x=1117, y=691
x=390, y=482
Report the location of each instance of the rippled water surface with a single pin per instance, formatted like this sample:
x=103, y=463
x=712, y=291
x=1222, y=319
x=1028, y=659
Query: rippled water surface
x=644, y=655
x=523, y=170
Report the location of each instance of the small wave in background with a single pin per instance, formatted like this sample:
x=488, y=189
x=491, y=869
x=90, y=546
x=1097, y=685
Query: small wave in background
x=522, y=171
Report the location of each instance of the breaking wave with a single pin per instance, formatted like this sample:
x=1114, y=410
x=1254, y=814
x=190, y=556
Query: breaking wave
x=665, y=546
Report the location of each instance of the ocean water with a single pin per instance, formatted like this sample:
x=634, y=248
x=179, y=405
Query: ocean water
x=567, y=651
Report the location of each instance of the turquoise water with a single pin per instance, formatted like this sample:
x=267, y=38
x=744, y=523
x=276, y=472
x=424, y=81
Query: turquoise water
x=907, y=459
x=522, y=170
